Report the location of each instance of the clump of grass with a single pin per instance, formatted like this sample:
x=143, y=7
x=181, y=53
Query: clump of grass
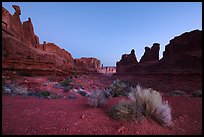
x=143, y=103
x=119, y=88
x=45, y=93
x=98, y=98
x=125, y=110
x=153, y=105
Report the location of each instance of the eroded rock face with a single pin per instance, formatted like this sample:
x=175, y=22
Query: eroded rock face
x=188, y=41
x=151, y=54
x=87, y=64
x=126, y=60
x=182, y=55
x=21, y=51
x=29, y=34
x=6, y=18
x=184, y=52
x=17, y=26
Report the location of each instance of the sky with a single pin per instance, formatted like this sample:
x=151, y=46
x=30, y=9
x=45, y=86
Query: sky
x=106, y=30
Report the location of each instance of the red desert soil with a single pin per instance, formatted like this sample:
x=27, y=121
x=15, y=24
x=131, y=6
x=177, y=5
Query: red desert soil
x=30, y=115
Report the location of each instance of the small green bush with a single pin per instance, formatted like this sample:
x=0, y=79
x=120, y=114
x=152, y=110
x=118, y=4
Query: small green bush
x=67, y=83
x=45, y=93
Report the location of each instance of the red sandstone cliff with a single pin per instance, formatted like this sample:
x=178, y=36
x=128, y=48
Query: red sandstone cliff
x=22, y=52
x=87, y=64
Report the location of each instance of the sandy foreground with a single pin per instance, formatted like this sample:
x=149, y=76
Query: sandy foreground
x=30, y=115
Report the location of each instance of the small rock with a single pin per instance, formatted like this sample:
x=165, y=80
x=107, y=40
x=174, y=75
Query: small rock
x=45, y=84
x=59, y=95
x=121, y=129
x=6, y=90
x=75, y=90
x=57, y=85
x=82, y=117
x=26, y=81
x=48, y=97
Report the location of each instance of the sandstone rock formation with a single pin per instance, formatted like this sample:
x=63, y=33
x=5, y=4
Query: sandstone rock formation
x=29, y=34
x=87, y=64
x=22, y=52
x=188, y=41
x=151, y=54
x=184, y=52
x=182, y=55
x=126, y=60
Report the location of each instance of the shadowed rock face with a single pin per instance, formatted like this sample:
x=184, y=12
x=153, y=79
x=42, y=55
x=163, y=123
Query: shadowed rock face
x=189, y=41
x=22, y=52
x=126, y=60
x=151, y=54
x=182, y=54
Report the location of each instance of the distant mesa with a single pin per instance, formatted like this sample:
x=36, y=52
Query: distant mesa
x=22, y=52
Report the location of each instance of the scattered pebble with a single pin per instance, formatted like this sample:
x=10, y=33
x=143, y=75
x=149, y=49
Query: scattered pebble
x=121, y=129
x=82, y=117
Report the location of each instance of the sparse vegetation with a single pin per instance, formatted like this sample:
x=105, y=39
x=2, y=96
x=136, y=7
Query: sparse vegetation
x=67, y=83
x=125, y=110
x=152, y=102
x=119, y=88
x=98, y=98
x=45, y=93
x=197, y=93
x=144, y=102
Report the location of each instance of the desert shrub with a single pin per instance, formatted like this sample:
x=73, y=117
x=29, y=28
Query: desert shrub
x=67, y=83
x=152, y=103
x=97, y=98
x=177, y=93
x=119, y=88
x=45, y=93
x=125, y=110
x=197, y=93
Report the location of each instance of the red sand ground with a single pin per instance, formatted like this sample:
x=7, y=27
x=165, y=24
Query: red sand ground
x=30, y=115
